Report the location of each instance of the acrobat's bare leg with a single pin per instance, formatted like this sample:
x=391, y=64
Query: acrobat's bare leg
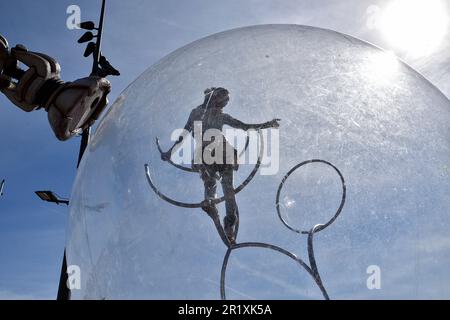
x=210, y=184
x=229, y=221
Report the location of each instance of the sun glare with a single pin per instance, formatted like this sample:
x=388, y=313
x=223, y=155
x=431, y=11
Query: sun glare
x=416, y=27
x=382, y=67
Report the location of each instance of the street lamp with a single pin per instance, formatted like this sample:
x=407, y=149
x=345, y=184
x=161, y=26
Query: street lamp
x=50, y=196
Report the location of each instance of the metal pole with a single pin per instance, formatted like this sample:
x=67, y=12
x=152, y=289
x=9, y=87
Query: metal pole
x=63, y=290
x=87, y=132
x=85, y=137
x=97, y=51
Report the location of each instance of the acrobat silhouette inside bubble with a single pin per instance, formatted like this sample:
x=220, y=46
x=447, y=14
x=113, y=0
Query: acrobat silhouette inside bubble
x=210, y=115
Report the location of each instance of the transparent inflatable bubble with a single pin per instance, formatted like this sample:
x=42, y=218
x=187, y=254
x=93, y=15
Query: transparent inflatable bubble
x=362, y=150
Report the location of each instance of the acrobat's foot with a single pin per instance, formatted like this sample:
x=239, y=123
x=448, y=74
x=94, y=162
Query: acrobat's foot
x=230, y=233
x=231, y=239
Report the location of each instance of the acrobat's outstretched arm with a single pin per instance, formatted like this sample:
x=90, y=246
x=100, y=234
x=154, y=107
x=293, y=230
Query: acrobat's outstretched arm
x=235, y=123
x=165, y=156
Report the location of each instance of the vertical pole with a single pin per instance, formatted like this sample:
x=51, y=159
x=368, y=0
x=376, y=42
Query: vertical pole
x=85, y=137
x=87, y=132
x=98, y=46
x=63, y=291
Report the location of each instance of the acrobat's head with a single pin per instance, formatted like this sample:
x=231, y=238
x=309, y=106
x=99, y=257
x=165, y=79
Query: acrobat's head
x=216, y=97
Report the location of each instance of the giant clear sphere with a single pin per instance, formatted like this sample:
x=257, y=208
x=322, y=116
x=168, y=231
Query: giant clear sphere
x=359, y=110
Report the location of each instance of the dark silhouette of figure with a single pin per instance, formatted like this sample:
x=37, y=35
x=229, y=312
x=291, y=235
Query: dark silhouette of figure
x=210, y=115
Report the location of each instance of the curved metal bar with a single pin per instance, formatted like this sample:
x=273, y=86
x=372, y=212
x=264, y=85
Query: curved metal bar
x=247, y=142
x=338, y=212
x=214, y=201
x=312, y=260
x=164, y=197
x=171, y=162
x=215, y=218
x=190, y=169
x=255, y=168
x=264, y=246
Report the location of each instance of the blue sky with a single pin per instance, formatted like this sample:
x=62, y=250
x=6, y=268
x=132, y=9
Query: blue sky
x=137, y=34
